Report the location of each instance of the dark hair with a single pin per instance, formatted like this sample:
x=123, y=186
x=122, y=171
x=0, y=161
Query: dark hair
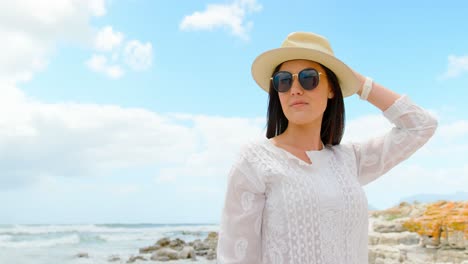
x=333, y=120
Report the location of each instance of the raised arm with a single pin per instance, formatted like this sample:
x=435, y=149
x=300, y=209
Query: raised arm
x=413, y=127
x=240, y=230
x=379, y=96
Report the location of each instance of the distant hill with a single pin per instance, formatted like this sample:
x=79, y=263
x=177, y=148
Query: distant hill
x=428, y=197
x=370, y=207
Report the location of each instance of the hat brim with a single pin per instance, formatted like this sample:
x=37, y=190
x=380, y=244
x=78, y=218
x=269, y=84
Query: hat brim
x=264, y=65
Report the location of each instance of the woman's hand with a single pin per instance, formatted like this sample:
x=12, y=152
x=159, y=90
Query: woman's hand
x=379, y=96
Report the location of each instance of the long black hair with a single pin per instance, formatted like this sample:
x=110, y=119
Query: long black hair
x=333, y=121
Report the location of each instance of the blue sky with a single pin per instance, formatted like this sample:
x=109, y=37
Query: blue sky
x=132, y=111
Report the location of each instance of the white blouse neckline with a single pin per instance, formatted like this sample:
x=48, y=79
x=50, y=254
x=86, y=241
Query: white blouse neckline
x=314, y=155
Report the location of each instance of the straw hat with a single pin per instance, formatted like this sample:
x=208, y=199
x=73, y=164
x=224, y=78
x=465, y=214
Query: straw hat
x=307, y=46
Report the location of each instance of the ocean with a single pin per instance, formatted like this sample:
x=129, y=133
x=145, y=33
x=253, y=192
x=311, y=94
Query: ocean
x=60, y=244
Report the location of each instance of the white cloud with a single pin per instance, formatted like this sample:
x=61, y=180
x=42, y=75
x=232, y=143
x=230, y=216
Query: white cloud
x=107, y=39
x=97, y=7
x=364, y=127
x=21, y=55
x=231, y=16
x=439, y=167
x=456, y=66
x=408, y=179
x=454, y=130
x=78, y=140
x=29, y=30
x=138, y=56
x=218, y=139
x=98, y=63
x=82, y=140
x=49, y=13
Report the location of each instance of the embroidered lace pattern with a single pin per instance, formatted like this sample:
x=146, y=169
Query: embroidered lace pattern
x=281, y=210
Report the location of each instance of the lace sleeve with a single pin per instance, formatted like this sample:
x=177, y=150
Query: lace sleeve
x=240, y=229
x=413, y=128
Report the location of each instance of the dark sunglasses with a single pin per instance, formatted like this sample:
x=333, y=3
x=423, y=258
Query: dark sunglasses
x=308, y=78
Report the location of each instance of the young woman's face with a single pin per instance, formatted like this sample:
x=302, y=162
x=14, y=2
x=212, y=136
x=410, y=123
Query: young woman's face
x=302, y=106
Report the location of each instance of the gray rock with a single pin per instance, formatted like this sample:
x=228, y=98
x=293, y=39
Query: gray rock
x=166, y=249
x=211, y=254
x=177, y=244
x=430, y=242
x=211, y=241
x=163, y=242
x=199, y=245
x=82, y=255
x=149, y=249
x=373, y=238
x=167, y=252
x=160, y=258
x=404, y=238
x=451, y=255
x=113, y=258
x=187, y=253
x=203, y=252
x=455, y=240
x=409, y=238
x=386, y=254
x=135, y=258
x=389, y=226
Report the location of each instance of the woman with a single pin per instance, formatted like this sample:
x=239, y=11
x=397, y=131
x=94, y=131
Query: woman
x=296, y=197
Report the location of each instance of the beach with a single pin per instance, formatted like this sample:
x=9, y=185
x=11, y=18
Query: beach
x=91, y=243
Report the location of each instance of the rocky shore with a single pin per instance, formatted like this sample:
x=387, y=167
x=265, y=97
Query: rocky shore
x=175, y=250
x=166, y=249
x=407, y=233
x=419, y=233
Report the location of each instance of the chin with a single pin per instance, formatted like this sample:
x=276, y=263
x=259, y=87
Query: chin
x=302, y=119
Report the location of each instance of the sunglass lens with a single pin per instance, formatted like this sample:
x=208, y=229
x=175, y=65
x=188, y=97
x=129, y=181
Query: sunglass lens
x=309, y=78
x=282, y=81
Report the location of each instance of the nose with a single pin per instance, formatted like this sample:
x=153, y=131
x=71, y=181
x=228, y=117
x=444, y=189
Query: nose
x=296, y=87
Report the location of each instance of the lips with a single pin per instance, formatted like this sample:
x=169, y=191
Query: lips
x=297, y=103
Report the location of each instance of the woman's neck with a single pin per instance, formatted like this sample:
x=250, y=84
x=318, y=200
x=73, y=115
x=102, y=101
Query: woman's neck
x=306, y=137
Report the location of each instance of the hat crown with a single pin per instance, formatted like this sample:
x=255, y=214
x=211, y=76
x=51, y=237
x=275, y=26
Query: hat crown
x=308, y=41
x=303, y=46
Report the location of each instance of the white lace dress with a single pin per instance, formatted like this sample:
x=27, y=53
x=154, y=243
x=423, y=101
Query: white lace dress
x=280, y=210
